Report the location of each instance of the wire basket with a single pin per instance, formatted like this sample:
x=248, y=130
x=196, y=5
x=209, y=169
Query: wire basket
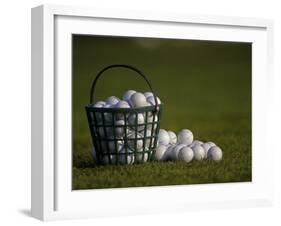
x=128, y=142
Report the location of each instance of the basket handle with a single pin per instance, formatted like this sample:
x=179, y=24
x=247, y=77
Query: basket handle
x=124, y=66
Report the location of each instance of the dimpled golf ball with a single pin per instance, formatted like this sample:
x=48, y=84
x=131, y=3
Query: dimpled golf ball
x=112, y=100
x=215, y=153
x=138, y=100
x=185, y=136
x=160, y=152
x=126, y=159
x=173, y=137
x=151, y=100
x=163, y=137
x=127, y=95
x=206, y=147
x=175, y=153
x=186, y=154
x=199, y=152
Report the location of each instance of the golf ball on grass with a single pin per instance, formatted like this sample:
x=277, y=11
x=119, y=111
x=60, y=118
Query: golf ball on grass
x=185, y=136
x=215, y=153
x=173, y=137
x=175, y=153
x=199, y=152
x=186, y=154
x=167, y=154
x=206, y=147
x=160, y=152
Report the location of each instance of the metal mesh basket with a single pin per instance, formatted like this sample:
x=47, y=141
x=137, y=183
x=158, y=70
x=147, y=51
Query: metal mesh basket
x=128, y=142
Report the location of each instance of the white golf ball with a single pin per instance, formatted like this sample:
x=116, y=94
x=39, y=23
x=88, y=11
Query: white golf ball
x=148, y=94
x=167, y=154
x=126, y=159
x=206, y=147
x=120, y=128
x=138, y=100
x=175, y=153
x=215, y=153
x=199, y=152
x=185, y=136
x=127, y=95
x=173, y=137
x=99, y=105
x=163, y=137
x=122, y=104
x=141, y=157
x=112, y=100
x=136, y=118
x=160, y=152
x=212, y=144
x=152, y=121
x=134, y=143
x=186, y=154
x=107, y=115
x=151, y=100
x=110, y=146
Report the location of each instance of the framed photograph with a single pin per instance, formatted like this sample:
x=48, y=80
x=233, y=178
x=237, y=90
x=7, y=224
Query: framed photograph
x=136, y=112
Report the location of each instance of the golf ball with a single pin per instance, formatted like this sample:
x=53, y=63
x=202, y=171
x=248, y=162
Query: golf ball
x=119, y=128
x=173, y=137
x=141, y=157
x=199, y=152
x=112, y=100
x=138, y=100
x=110, y=146
x=186, y=154
x=126, y=159
x=122, y=104
x=167, y=154
x=215, y=153
x=148, y=94
x=133, y=143
x=175, y=153
x=185, y=136
x=163, y=137
x=127, y=95
x=151, y=100
x=160, y=152
x=135, y=121
x=206, y=147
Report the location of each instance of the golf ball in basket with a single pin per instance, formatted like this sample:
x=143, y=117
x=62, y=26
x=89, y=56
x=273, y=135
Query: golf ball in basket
x=122, y=104
x=141, y=157
x=120, y=128
x=138, y=100
x=173, y=137
x=127, y=95
x=134, y=143
x=148, y=94
x=159, y=152
x=112, y=100
x=199, y=152
x=151, y=100
x=163, y=137
x=110, y=146
x=138, y=119
x=186, y=154
x=185, y=136
x=215, y=153
x=124, y=158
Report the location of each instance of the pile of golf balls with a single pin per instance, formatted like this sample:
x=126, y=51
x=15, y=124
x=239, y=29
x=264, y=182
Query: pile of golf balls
x=183, y=147
x=135, y=128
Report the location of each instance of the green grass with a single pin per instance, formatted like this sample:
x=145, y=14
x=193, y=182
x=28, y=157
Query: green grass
x=204, y=86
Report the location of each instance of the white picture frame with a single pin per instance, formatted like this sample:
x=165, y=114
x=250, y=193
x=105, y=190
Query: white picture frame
x=52, y=195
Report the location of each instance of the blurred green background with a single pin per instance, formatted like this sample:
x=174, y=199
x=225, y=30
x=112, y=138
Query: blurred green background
x=204, y=86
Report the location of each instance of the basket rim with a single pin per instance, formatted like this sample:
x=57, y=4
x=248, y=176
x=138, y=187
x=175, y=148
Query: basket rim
x=91, y=108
